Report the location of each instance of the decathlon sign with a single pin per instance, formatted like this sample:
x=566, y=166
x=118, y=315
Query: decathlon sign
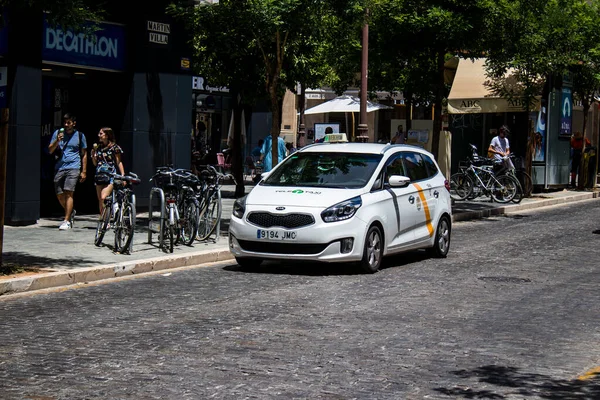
x=103, y=49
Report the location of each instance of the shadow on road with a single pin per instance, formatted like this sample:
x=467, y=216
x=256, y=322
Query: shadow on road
x=523, y=384
x=311, y=268
x=29, y=260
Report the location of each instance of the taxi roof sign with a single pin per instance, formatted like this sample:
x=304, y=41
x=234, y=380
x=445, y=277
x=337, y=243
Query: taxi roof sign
x=336, y=138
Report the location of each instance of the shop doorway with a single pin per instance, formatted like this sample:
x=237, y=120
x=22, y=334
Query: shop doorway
x=97, y=99
x=207, y=138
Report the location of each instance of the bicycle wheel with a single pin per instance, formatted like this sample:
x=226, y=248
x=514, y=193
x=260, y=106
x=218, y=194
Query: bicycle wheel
x=124, y=229
x=504, y=188
x=189, y=222
x=168, y=236
x=519, y=194
x=461, y=186
x=210, y=216
x=526, y=182
x=102, y=224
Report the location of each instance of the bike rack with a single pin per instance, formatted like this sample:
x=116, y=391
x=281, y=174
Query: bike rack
x=151, y=229
x=217, y=232
x=134, y=208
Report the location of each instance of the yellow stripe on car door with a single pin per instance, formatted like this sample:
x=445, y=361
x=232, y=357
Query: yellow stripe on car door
x=426, y=209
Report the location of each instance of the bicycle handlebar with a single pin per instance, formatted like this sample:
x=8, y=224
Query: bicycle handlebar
x=131, y=177
x=211, y=171
x=168, y=171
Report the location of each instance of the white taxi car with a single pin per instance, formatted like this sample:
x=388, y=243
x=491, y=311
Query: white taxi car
x=350, y=202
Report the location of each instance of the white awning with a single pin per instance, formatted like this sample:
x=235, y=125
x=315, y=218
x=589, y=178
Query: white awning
x=470, y=95
x=344, y=104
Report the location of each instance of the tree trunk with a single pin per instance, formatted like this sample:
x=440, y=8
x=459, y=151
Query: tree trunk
x=237, y=145
x=275, y=125
x=586, y=109
x=301, y=137
x=437, y=111
x=530, y=149
x=408, y=101
x=3, y=155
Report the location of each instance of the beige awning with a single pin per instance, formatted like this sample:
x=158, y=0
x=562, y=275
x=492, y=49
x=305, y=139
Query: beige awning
x=470, y=95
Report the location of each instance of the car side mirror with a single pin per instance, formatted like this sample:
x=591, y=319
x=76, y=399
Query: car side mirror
x=399, y=181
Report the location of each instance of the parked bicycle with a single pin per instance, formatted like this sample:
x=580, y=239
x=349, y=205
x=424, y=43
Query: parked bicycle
x=519, y=173
x=477, y=177
x=119, y=213
x=208, y=193
x=180, y=222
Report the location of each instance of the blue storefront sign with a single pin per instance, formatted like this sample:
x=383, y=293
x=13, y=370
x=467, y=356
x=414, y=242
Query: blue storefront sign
x=104, y=49
x=566, y=111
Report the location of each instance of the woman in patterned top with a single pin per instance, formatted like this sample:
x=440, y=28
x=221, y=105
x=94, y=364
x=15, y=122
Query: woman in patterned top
x=106, y=156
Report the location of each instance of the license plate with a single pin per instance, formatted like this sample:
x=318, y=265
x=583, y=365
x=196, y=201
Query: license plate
x=270, y=234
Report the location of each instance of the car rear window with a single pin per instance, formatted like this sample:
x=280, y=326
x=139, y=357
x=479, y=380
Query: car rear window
x=414, y=166
x=432, y=169
x=327, y=169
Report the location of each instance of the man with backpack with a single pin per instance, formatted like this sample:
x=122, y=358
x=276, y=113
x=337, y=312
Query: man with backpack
x=69, y=148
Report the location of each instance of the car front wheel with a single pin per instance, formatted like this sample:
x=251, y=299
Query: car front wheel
x=373, y=251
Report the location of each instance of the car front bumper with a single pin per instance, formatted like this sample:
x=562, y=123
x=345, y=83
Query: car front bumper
x=319, y=241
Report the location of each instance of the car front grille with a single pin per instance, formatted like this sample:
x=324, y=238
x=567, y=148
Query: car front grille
x=282, y=248
x=289, y=221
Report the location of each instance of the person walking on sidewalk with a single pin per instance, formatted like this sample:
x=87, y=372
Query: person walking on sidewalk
x=106, y=157
x=69, y=147
x=266, y=155
x=577, y=148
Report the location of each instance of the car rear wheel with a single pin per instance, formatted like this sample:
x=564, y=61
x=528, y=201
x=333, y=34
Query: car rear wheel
x=373, y=251
x=441, y=245
x=248, y=263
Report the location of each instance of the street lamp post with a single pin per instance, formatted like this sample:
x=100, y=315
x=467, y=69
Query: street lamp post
x=363, y=129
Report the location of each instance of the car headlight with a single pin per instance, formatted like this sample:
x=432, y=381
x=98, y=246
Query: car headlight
x=342, y=211
x=239, y=207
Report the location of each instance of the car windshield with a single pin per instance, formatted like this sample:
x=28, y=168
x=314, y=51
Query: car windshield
x=332, y=170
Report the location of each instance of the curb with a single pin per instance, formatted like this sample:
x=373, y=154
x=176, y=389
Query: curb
x=100, y=272
x=471, y=215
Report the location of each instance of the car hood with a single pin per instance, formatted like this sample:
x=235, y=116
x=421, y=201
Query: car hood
x=299, y=196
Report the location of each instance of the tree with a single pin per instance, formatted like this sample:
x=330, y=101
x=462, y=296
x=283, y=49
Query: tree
x=586, y=78
x=539, y=41
x=278, y=27
x=71, y=14
x=274, y=43
x=226, y=57
x=415, y=38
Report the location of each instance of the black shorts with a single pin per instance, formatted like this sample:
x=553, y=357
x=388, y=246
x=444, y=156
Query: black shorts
x=65, y=180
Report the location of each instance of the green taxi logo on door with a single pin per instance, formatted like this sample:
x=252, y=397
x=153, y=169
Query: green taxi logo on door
x=298, y=191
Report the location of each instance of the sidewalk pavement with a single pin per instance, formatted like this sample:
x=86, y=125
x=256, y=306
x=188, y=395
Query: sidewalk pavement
x=53, y=258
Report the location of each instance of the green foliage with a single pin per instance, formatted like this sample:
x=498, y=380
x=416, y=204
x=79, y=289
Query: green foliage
x=535, y=39
x=70, y=14
x=408, y=37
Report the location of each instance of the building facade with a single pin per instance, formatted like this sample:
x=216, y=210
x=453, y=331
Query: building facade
x=133, y=75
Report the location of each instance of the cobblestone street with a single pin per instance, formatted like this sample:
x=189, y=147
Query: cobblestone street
x=512, y=313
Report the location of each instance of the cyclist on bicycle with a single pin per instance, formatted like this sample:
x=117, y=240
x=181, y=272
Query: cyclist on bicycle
x=106, y=157
x=500, y=148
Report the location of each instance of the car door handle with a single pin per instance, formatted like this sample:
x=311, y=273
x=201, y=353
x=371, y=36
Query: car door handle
x=436, y=194
x=411, y=199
